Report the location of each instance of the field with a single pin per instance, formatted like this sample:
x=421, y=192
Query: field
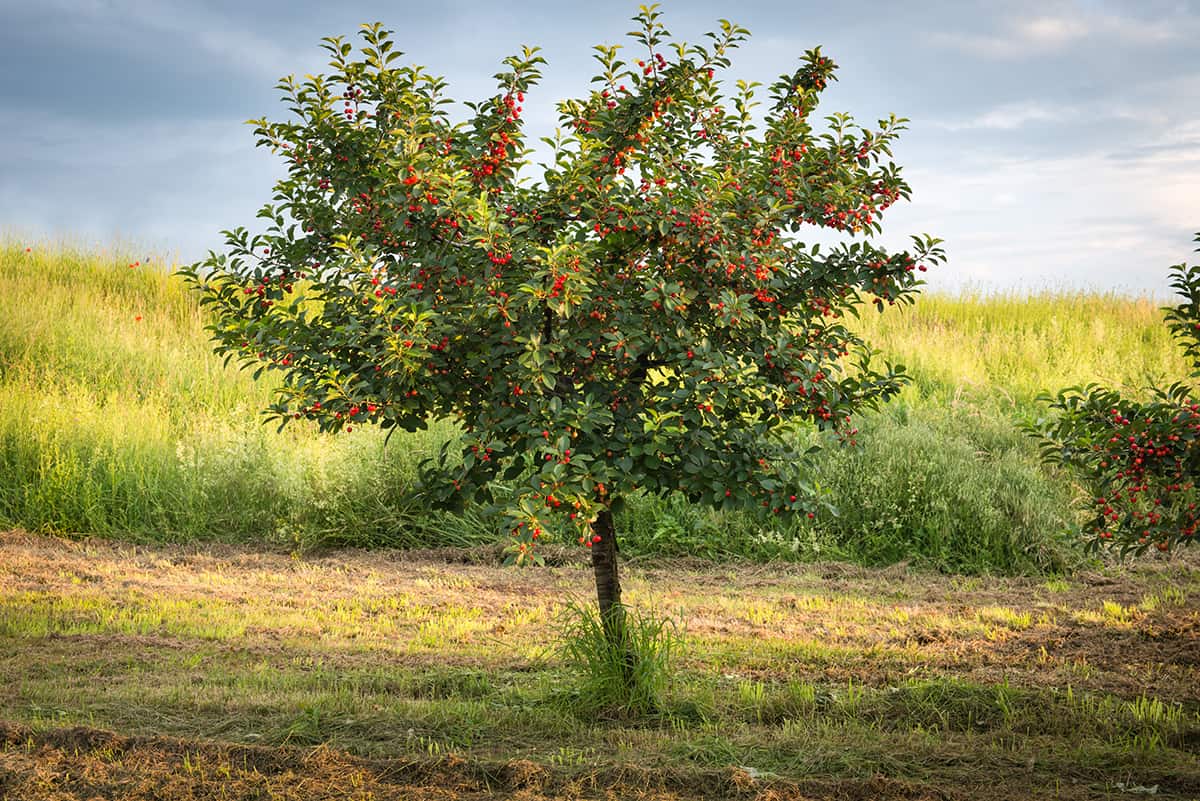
x=193, y=606
x=116, y=420
x=414, y=674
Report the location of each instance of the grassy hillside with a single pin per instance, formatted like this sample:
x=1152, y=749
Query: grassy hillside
x=1007, y=348
x=115, y=419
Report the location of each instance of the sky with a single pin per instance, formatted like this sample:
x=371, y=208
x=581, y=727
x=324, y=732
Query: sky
x=1051, y=144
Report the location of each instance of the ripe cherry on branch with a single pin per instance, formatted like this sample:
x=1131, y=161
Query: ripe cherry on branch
x=1138, y=456
x=644, y=316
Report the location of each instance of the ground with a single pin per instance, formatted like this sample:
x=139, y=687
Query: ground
x=205, y=672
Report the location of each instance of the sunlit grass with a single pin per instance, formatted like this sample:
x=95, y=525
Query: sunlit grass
x=1005, y=616
x=116, y=419
x=1008, y=347
x=938, y=679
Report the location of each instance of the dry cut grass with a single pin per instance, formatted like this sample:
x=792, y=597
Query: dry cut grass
x=819, y=678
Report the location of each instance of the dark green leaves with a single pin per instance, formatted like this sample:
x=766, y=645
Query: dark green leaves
x=643, y=316
x=1138, y=456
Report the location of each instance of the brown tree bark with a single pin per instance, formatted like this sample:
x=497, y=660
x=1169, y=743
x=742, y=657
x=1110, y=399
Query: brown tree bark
x=608, y=583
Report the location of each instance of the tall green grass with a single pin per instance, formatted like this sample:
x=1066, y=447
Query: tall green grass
x=957, y=489
x=1005, y=349
x=116, y=420
x=942, y=477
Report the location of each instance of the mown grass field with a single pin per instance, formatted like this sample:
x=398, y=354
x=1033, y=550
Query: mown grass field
x=411, y=673
x=202, y=632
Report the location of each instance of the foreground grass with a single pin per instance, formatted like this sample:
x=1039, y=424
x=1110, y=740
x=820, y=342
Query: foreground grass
x=116, y=420
x=972, y=687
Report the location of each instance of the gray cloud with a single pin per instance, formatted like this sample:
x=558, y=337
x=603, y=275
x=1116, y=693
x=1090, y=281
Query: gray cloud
x=1021, y=34
x=1051, y=143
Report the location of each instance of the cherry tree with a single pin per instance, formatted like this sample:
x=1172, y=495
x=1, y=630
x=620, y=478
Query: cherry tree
x=1138, y=455
x=643, y=315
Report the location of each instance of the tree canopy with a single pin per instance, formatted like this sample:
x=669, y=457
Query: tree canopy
x=639, y=313
x=1138, y=453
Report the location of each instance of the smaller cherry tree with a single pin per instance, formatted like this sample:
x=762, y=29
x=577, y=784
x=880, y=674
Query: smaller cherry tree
x=643, y=317
x=1138, y=458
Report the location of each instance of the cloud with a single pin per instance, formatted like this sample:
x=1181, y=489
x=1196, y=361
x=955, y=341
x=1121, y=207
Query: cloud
x=168, y=184
x=59, y=140
x=220, y=39
x=1080, y=220
x=1007, y=117
x=1050, y=31
x=1019, y=37
x=143, y=24
x=1020, y=114
x=1177, y=143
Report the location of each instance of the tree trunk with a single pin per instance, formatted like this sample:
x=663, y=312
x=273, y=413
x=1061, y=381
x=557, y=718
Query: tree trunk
x=608, y=585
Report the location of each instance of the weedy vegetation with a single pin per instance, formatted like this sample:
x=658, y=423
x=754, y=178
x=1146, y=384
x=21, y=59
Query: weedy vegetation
x=117, y=426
